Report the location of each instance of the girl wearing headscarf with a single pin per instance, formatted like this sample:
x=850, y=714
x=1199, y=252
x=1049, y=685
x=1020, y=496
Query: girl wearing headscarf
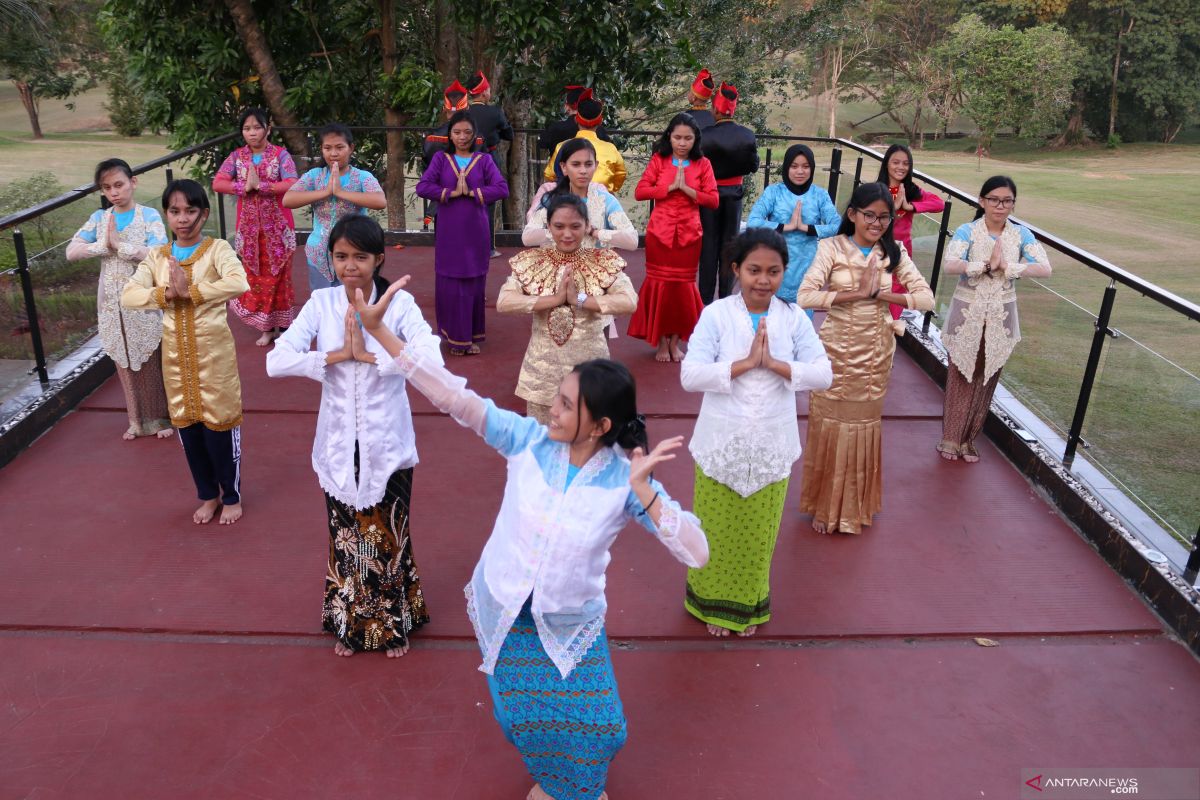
x=896, y=173
x=803, y=213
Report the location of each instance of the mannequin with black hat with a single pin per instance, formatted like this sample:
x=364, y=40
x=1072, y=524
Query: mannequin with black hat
x=733, y=151
x=558, y=132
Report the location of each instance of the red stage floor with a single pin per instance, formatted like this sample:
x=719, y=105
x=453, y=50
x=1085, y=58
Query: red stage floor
x=146, y=657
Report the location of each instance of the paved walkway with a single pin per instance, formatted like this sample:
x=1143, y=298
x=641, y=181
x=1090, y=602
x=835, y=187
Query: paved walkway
x=146, y=657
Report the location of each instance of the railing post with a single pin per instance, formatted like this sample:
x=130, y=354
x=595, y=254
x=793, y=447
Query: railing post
x=170, y=174
x=767, y=170
x=1193, y=562
x=35, y=329
x=220, y=198
x=835, y=169
x=1089, y=373
x=938, y=251
x=858, y=175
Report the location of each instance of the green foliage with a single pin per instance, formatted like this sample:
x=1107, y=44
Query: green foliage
x=40, y=232
x=1114, y=141
x=125, y=107
x=1010, y=78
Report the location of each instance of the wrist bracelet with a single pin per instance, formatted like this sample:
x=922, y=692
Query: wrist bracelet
x=648, y=506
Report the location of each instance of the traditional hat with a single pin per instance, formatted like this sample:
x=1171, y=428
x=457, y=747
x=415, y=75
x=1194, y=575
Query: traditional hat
x=477, y=84
x=573, y=91
x=589, y=111
x=726, y=99
x=703, y=85
x=455, y=97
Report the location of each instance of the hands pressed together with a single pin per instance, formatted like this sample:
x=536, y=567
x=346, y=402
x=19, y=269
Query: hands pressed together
x=177, y=284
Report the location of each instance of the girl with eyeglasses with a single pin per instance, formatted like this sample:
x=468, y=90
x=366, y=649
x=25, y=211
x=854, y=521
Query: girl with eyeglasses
x=981, y=329
x=843, y=478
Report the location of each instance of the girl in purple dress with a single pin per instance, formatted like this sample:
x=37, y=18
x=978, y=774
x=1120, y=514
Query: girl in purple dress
x=463, y=183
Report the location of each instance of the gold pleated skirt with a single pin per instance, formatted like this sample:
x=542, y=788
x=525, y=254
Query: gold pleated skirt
x=842, y=485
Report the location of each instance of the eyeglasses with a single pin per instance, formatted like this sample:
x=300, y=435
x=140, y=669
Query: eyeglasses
x=1001, y=202
x=870, y=217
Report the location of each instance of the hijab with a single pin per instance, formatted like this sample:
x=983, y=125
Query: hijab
x=790, y=156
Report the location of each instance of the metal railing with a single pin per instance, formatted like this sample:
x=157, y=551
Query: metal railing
x=1118, y=278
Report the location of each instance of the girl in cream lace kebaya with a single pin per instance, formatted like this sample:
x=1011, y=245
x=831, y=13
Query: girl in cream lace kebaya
x=750, y=353
x=981, y=329
x=121, y=236
x=843, y=481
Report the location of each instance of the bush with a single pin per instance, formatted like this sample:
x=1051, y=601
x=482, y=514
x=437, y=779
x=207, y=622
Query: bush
x=42, y=232
x=125, y=108
x=1114, y=141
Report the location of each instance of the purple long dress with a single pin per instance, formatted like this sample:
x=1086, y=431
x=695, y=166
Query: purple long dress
x=463, y=243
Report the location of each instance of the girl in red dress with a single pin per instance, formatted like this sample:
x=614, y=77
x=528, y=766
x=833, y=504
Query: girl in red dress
x=679, y=180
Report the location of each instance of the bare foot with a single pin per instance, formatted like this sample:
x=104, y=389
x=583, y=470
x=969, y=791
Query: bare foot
x=538, y=793
x=750, y=631
x=663, y=355
x=231, y=514
x=396, y=652
x=717, y=630
x=265, y=339
x=948, y=450
x=129, y=435
x=473, y=350
x=969, y=453
x=205, y=512
x=820, y=527
x=165, y=433
x=341, y=650
x=676, y=352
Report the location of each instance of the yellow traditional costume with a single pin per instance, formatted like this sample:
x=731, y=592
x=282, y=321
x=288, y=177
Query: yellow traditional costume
x=843, y=471
x=569, y=334
x=610, y=166
x=200, y=370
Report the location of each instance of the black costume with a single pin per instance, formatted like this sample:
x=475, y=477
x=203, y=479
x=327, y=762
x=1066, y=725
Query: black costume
x=733, y=151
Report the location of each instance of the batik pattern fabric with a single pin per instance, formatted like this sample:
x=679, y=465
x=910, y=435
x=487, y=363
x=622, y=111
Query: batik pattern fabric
x=373, y=598
x=610, y=224
x=326, y=213
x=733, y=590
x=983, y=310
x=199, y=360
x=843, y=473
x=265, y=235
x=567, y=730
x=968, y=400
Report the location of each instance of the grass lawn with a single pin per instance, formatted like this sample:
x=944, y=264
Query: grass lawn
x=1128, y=206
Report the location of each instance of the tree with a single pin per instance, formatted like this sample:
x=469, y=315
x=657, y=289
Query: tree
x=48, y=51
x=1019, y=79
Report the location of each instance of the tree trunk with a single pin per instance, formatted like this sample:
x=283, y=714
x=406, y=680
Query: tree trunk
x=1112, y=98
x=520, y=114
x=1073, y=134
x=446, y=58
x=835, y=75
x=31, y=108
x=393, y=179
x=259, y=52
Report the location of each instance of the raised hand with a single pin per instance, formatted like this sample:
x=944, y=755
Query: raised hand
x=178, y=285
x=358, y=345
x=642, y=464
x=111, y=237
x=335, y=180
x=371, y=314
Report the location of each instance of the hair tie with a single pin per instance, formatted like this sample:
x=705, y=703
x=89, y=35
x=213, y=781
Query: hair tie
x=635, y=426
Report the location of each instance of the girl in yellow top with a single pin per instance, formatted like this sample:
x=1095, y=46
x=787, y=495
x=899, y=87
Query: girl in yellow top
x=191, y=280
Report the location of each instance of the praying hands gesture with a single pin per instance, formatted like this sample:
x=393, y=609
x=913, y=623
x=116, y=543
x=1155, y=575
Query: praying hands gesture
x=995, y=262
x=796, y=222
x=177, y=285
x=334, y=187
x=760, y=356
x=868, y=281
x=252, y=181
x=680, y=184
x=112, y=239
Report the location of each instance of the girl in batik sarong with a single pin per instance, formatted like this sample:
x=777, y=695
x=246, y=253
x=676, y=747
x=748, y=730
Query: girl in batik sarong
x=121, y=236
x=750, y=354
x=259, y=174
x=537, y=594
x=365, y=448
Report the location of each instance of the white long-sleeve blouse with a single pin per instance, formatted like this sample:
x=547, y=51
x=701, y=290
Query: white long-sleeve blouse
x=746, y=436
x=551, y=538
x=360, y=403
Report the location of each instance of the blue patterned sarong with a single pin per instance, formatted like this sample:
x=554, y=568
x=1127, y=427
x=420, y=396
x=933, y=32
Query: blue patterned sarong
x=567, y=731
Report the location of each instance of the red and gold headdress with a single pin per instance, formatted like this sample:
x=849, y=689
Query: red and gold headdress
x=702, y=87
x=481, y=84
x=590, y=111
x=455, y=97
x=726, y=100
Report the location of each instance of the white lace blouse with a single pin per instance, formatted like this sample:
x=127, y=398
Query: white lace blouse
x=363, y=403
x=746, y=436
x=551, y=539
